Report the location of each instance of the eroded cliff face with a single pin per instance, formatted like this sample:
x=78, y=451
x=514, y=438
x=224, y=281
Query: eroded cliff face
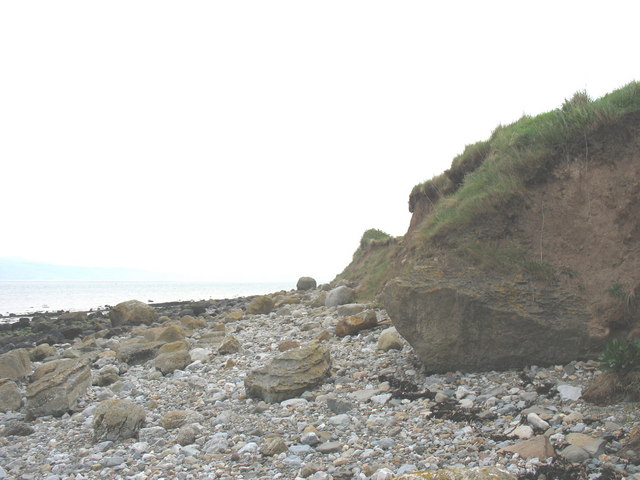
x=583, y=221
x=575, y=234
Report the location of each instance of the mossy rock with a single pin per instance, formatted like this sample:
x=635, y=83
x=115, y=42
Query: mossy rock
x=460, y=473
x=232, y=315
x=172, y=333
x=193, y=323
x=261, y=305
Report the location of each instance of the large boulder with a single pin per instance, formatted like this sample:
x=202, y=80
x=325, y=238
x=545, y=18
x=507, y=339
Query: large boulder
x=172, y=356
x=42, y=351
x=132, y=312
x=117, y=420
x=137, y=350
x=15, y=364
x=290, y=374
x=56, y=386
x=462, y=324
x=10, y=396
x=306, y=283
x=261, y=305
x=339, y=296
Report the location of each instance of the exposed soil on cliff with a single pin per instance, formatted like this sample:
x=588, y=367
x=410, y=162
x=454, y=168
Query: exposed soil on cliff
x=572, y=224
x=585, y=221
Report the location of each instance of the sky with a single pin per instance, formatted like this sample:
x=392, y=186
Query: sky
x=258, y=140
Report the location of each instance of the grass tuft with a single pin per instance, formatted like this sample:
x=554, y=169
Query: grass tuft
x=493, y=175
x=373, y=236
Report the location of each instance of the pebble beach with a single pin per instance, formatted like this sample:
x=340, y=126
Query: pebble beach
x=377, y=414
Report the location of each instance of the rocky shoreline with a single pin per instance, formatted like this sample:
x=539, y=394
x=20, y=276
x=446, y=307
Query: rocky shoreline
x=298, y=384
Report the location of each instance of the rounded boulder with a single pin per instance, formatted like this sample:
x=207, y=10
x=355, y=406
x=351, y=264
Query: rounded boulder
x=306, y=283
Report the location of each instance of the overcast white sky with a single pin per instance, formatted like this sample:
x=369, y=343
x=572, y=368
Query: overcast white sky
x=257, y=140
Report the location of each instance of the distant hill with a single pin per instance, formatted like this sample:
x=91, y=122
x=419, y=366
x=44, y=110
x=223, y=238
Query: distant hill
x=18, y=269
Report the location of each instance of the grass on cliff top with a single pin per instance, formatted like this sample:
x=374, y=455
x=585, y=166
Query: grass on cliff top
x=491, y=175
x=373, y=236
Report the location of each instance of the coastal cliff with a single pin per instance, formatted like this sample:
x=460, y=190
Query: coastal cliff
x=541, y=220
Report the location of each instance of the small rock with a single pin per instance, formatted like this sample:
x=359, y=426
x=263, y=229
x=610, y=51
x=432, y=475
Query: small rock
x=341, y=419
x=248, y=448
x=389, y=339
x=17, y=428
x=174, y=419
x=569, y=392
x=186, y=435
x=575, y=454
x=352, y=325
x=200, y=354
x=537, y=422
x=537, y=447
x=273, y=446
x=309, y=438
x=338, y=405
x=441, y=397
x=288, y=345
x=230, y=344
x=382, y=398
x=329, y=447
x=523, y=432
x=382, y=474
x=339, y=296
x=466, y=403
x=107, y=375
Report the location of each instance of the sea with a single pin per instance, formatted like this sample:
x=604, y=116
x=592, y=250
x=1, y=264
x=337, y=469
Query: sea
x=29, y=297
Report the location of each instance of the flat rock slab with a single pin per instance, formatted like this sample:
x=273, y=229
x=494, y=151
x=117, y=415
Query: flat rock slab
x=56, y=386
x=537, y=447
x=137, y=350
x=290, y=374
x=461, y=473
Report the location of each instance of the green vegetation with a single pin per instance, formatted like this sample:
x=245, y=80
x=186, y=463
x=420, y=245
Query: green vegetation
x=621, y=356
x=618, y=291
x=371, y=267
x=466, y=214
x=493, y=175
x=433, y=190
x=374, y=236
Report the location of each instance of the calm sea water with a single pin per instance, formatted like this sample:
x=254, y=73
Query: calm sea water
x=33, y=296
